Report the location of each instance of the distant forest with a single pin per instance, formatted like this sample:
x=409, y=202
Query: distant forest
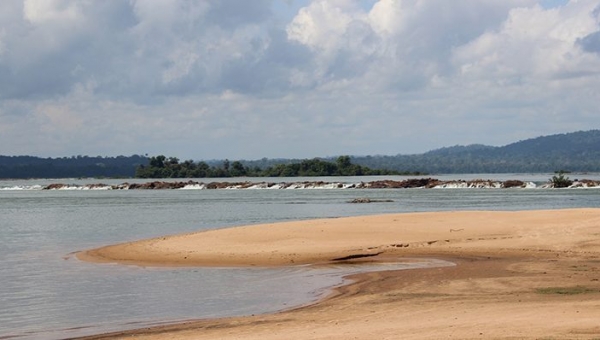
x=570, y=152
x=163, y=167
x=70, y=167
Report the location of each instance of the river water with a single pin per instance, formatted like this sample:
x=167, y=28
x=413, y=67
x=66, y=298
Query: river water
x=46, y=293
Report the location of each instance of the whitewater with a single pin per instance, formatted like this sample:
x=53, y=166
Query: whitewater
x=506, y=181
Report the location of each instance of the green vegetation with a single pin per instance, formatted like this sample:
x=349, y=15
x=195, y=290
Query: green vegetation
x=576, y=152
x=163, y=167
x=567, y=290
x=560, y=181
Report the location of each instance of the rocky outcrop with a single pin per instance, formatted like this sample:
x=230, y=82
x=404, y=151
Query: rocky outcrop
x=368, y=200
x=409, y=183
x=513, y=184
x=426, y=183
x=55, y=186
x=159, y=185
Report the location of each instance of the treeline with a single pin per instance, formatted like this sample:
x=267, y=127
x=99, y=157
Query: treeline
x=20, y=167
x=163, y=167
x=574, y=152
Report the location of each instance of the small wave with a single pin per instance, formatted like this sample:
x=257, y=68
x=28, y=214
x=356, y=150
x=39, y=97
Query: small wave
x=22, y=187
x=79, y=187
x=585, y=184
x=198, y=186
x=469, y=185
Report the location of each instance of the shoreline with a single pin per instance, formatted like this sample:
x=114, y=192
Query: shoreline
x=515, y=271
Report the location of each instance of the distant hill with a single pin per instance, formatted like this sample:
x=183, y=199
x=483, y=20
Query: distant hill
x=576, y=151
x=69, y=167
x=460, y=149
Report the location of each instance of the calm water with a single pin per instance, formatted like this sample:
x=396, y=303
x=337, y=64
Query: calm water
x=47, y=294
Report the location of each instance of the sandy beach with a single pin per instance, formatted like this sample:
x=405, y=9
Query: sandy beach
x=518, y=275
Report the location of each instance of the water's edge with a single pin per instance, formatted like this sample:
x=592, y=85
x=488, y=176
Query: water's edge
x=327, y=277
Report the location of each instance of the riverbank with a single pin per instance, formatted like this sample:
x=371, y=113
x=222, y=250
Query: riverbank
x=527, y=274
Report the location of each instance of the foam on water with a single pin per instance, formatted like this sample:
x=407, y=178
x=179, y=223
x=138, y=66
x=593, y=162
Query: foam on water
x=442, y=182
x=194, y=187
x=21, y=187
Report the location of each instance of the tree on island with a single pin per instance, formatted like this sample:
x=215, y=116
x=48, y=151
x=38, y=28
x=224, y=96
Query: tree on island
x=560, y=180
x=161, y=167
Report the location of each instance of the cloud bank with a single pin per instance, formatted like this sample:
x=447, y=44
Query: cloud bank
x=251, y=79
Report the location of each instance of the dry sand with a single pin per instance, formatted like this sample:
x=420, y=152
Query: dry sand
x=519, y=275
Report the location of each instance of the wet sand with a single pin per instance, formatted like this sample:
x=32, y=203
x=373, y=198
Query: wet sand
x=519, y=275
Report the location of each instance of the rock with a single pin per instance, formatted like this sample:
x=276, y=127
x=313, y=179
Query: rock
x=409, y=183
x=360, y=200
x=55, y=186
x=367, y=200
x=513, y=184
x=158, y=185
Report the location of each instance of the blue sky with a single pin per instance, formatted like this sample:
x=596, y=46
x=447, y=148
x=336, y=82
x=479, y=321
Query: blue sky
x=234, y=79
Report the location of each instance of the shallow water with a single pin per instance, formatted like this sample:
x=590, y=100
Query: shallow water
x=44, y=291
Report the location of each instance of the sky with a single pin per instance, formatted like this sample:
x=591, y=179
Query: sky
x=236, y=79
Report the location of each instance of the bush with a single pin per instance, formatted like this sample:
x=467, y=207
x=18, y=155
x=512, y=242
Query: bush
x=560, y=181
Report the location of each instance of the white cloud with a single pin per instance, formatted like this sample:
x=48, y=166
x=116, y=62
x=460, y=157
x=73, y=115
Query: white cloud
x=40, y=12
x=399, y=44
x=224, y=78
x=386, y=17
x=182, y=60
x=322, y=23
x=163, y=18
x=53, y=24
x=532, y=43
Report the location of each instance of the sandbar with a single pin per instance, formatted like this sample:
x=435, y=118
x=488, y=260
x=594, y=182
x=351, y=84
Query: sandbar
x=519, y=275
